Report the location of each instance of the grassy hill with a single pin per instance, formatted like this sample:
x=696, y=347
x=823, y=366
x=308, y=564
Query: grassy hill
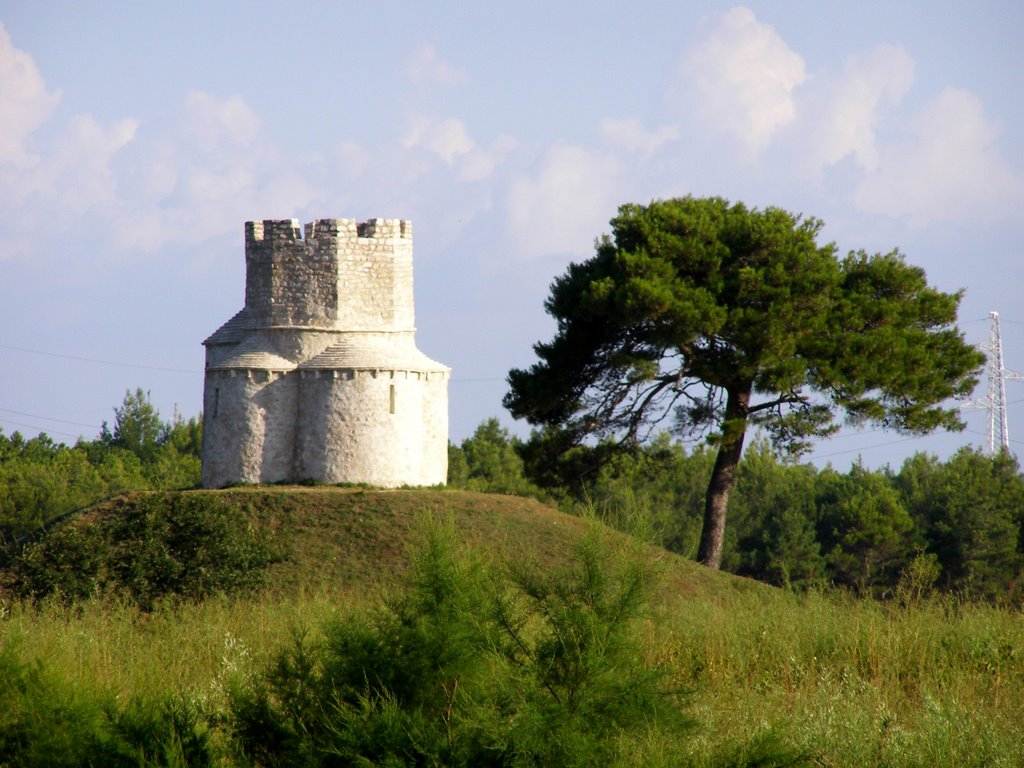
x=353, y=538
x=360, y=538
x=852, y=682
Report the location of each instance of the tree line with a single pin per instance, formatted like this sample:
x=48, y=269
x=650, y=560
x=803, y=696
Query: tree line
x=952, y=526
x=41, y=479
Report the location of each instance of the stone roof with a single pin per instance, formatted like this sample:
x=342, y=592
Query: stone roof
x=231, y=332
x=362, y=353
x=250, y=356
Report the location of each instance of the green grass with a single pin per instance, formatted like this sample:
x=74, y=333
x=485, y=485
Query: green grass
x=859, y=683
x=850, y=682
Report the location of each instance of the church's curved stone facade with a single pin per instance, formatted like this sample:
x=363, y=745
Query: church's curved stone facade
x=318, y=377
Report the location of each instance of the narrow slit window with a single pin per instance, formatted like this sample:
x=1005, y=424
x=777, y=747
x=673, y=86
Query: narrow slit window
x=391, y=400
x=216, y=401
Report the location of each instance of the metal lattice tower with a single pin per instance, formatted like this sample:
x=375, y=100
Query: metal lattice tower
x=995, y=400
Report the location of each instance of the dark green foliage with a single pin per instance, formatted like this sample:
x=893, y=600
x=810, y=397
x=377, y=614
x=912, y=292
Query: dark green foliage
x=36, y=485
x=382, y=688
x=790, y=555
x=569, y=647
x=772, y=511
x=489, y=461
x=656, y=489
x=137, y=426
x=47, y=723
x=970, y=510
x=864, y=528
x=162, y=731
x=717, y=317
x=185, y=545
x=463, y=668
x=41, y=480
x=152, y=547
x=793, y=525
x=68, y=562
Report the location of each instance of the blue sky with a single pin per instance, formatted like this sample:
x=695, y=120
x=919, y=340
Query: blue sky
x=137, y=138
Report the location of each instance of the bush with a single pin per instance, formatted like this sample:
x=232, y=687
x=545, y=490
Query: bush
x=67, y=561
x=575, y=689
x=468, y=667
x=151, y=547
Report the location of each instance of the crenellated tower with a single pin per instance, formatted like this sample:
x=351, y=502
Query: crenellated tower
x=318, y=376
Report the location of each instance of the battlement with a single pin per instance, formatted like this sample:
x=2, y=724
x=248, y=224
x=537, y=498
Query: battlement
x=272, y=229
x=288, y=230
x=338, y=273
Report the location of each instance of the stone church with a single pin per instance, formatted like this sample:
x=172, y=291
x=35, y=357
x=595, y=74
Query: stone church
x=318, y=377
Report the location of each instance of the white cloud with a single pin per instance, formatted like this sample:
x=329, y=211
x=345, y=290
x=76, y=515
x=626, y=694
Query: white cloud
x=195, y=180
x=214, y=171
x=445, y=138
x=212, y=122
x=425, y=67
x=77, y=169
x=449, y=141
x=69, y=173
x=950, y=169
x=354, y=158
x=745, y=75
x=630, y=135
x=25, y=102
x=846, y=122
x=566, y=204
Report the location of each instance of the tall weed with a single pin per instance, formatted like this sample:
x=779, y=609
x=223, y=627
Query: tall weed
x=44, y=722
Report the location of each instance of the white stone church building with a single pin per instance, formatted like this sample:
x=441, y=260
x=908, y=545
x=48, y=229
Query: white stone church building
x=318, y=377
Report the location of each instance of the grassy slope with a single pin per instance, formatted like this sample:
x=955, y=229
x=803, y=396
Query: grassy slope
x=356, y=539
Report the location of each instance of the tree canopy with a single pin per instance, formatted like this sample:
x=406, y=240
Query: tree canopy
x=716, y=316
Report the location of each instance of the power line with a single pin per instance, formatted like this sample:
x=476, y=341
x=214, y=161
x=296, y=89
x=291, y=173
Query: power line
x=101, y=362
x=49, y=418
x=41, y=431
x=862, y=448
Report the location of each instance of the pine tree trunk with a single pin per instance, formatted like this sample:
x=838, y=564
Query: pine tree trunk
x=723, y=476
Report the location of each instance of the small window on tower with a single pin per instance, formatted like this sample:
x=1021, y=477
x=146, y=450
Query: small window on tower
x=391, y=404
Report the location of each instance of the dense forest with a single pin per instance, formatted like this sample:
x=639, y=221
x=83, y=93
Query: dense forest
x=952, y=526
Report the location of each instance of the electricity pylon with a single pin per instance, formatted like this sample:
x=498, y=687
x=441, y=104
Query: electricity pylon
x=995, y=400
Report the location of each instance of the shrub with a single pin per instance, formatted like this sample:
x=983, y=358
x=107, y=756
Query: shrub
x=152, y=547
x=67, y=561
x=469, y=667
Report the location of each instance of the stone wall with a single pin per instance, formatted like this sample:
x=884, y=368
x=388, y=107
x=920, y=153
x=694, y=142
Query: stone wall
x=371, y=426
x=335, y=274
x=249, y=425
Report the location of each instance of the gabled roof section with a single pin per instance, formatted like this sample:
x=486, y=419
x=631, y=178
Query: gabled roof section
x=252, y=355
x=362, y=353
x=231, y=332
